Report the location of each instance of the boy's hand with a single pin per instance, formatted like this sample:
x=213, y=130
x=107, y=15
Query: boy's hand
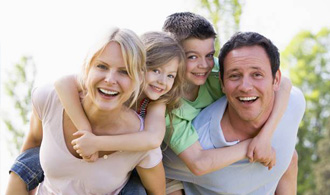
x=260, y=150
x=85, y=145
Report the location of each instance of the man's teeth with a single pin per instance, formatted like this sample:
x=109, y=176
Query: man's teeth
x=109, y=92
x=247, y=98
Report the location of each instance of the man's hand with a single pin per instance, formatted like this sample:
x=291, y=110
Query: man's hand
x=260, y=150
x=85, y=145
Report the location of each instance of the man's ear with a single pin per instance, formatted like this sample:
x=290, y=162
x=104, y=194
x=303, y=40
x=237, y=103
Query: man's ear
x=221, y=84
x=277, y=80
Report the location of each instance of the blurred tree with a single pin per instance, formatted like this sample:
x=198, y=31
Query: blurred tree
x=18, y=88
x=225, y=16
x=307, y=58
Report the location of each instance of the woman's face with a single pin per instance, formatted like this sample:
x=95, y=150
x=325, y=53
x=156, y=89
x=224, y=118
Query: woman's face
x=108, y=81
x=160, y=80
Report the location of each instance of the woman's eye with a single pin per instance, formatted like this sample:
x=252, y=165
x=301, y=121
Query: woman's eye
x=101, y=66
x=156, y=71
x=123, y=72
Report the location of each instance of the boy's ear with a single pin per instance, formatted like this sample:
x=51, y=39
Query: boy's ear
x=277, y=80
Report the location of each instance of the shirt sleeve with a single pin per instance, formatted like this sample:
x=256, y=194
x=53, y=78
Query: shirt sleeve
x=181, y=136
x=40, y=96
x=151, y=159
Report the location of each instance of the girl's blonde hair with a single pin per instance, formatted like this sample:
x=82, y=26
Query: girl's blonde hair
x=134, y=55
x=161, y=48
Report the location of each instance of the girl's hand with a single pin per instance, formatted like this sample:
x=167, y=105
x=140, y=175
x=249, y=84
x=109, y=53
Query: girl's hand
x=260, y=150
x=85, y=145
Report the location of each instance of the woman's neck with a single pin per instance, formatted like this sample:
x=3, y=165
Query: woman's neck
x=100, y=119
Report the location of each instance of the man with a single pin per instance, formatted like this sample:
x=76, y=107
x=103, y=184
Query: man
x=250, y=76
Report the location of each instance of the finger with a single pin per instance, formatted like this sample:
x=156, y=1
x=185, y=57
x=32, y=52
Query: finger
x=78, y=133
x=73, y=142
x=249, y=154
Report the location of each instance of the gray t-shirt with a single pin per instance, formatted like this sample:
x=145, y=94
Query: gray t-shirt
x=241, y=177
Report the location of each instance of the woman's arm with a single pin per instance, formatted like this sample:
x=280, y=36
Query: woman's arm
x=150, y=138
x=260, y=147
x=153, y=179
x=68, y=89
x=16, y=185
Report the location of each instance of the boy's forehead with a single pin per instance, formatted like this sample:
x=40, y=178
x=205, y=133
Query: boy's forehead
x=195, y=44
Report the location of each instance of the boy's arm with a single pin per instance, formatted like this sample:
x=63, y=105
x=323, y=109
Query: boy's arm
x=68, y=89
x=150, y=138
x=260, y=147
x=200, y=161
x=153, y=179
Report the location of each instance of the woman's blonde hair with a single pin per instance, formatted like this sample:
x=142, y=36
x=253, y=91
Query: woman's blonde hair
x=134, y=55
x=161, y=48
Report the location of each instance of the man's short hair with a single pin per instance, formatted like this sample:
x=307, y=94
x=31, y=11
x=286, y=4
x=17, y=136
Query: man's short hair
x=242, y=39
x=184, y=25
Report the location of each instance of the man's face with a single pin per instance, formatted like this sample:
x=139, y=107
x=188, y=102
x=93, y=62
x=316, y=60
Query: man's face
x=249, y=84
x=199, y=55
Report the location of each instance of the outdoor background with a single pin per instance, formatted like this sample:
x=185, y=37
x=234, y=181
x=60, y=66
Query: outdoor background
x=41, y=40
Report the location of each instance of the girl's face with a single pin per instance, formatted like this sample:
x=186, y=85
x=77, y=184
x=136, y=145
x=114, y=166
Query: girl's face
x=108, y=82
x=199, y=55
x=160, y=80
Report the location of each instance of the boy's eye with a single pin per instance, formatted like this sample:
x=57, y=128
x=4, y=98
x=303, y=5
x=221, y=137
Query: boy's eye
x=156, y=71
x=210, y=55
x=192, y=57
x=102, y=66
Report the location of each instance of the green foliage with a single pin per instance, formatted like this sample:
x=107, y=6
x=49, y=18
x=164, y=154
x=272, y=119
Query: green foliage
x=225, y=15
x=308, y=59
x=18, y=88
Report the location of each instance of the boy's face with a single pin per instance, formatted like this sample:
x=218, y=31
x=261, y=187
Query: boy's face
x=199, y=54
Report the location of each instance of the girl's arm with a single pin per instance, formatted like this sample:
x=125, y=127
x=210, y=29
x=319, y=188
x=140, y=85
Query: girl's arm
x=68, y=89
x=260, y=147
x=150, y=138
x=153, y=179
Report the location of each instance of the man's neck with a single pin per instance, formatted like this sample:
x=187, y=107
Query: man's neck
x=234, y=128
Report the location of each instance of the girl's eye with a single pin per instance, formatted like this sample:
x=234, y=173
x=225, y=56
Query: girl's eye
x=156, y=71
x=101, y=66
x=171, y=76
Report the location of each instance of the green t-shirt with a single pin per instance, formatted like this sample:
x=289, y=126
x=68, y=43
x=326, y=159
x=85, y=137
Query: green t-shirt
x=184, y=134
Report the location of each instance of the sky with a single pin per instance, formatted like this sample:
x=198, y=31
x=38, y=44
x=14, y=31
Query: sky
x=58, y=34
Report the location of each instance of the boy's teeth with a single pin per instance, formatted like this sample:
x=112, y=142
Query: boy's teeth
x=247, y=98
x=109, y=92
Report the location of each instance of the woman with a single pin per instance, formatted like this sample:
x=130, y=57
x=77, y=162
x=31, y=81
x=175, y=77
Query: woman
x=111, y=76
